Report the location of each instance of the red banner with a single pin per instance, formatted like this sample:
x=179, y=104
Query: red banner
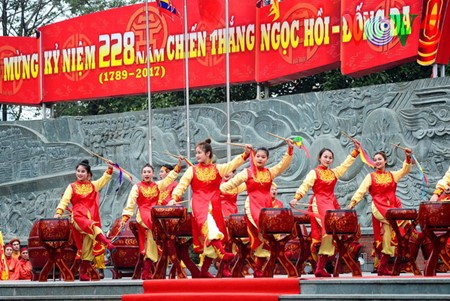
x=377, y=35
x=19, y=71
x=298, y=40
x=88, y=58
x=104, y=54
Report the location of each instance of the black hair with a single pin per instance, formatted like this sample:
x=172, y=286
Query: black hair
x=325, y=150
x=147, y=165
x=85, y=164
x=206, y=147
x=381, y=153
x=263, y=149
x=168, y=166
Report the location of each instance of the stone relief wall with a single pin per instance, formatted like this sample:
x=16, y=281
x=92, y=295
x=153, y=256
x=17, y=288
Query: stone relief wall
x=38, y=158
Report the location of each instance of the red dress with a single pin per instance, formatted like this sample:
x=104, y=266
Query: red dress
x=148, y=196
x=229, y=203
x=166, y=195
x=323, y=190
x=205, y=186
x=258, y=189
x=383, y=190
x=13, y=268
x=85, y=206
x=25, y=269
x=97, y=248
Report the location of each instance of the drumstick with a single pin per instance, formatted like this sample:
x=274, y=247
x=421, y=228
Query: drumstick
x=346, y=135
x=303, y=204
x=100, y=157
x=279, y=137
x=400, y=147
x=183, y=202
x=237, y=144
x=171, y=155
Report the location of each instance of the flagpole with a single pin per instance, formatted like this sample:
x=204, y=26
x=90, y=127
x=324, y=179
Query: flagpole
x=227, y=72
x=149, y=94
x=186, y=62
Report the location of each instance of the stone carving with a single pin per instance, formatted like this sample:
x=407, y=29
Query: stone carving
x=38, y=158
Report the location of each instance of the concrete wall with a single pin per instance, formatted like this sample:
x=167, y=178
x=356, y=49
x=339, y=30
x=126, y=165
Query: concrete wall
x=38, y=158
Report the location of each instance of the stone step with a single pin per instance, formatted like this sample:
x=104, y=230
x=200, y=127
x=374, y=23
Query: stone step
x=362, y=297
x=376, y=286
x=65, y=298
x=60, y=290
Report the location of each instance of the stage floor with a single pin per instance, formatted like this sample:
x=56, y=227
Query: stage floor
x=345, y=287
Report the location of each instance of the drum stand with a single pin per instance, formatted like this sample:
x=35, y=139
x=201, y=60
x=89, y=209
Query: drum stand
x=276, y=226
x=237, y=227
x=168, y=239
x=304, y=243
x=433, y=219
x=277, y=252
x=343, y=243
x=403, y=250
x=139, y=233
x=182, y=245
x=54, y=248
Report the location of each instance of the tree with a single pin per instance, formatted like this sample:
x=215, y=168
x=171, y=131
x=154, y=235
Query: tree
x=22, y=18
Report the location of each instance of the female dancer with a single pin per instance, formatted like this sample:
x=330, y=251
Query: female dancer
x=322, y=180
x=259, y=179
x=229, y=198
x=209, y=229
x=382, y=186
x=229, y=206
x=441, y=187
x=83, y=194
x=146, y=195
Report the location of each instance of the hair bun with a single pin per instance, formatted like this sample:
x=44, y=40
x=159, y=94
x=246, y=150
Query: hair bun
x=208, y=140
x=85, y=162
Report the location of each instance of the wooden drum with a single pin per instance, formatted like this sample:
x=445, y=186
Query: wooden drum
x=237, y=226
x=435, y=223
x=50, y=243
x=183, y=226
x=276, y=220
x=166, y=219
x=302, y=218
x=434, y=216
x=127, y=249
x=163, y=212
x=341, y=221
x=401, y=214
x=54, y=230
x=39, y=254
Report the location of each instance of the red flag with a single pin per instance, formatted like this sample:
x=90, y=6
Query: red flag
x=167, y=7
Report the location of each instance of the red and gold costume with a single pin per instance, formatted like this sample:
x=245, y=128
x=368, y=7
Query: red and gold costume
x=443, y=185
x=25, y=269
x=165, y=195
x=85, y=210
x=207, y=213
x=146, y=195
x=276, y=203
x=13, y=268
x=382, y=186
x=258, y=189
x=323, y=180
x=229, y=200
